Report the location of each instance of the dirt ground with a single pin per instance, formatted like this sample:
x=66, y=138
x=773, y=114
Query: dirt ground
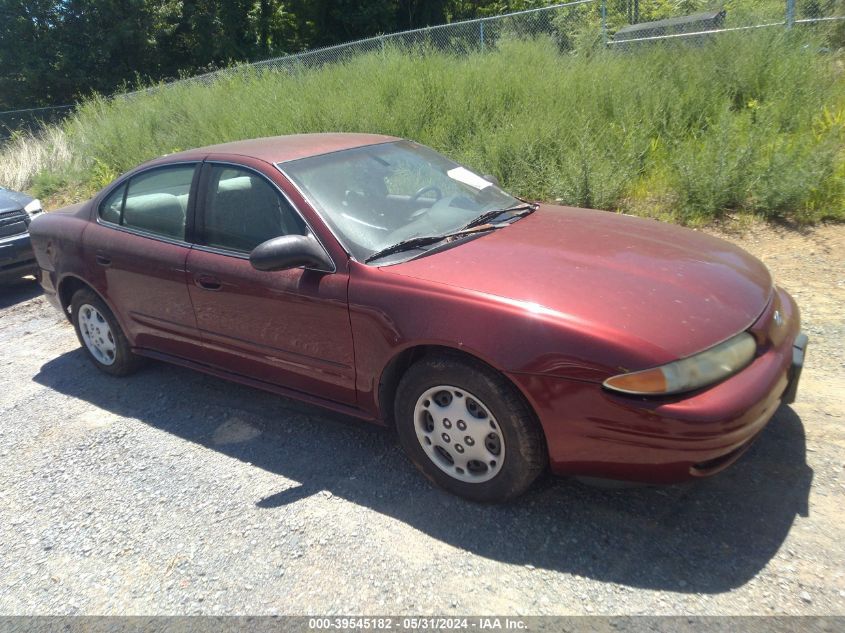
x=171, y=492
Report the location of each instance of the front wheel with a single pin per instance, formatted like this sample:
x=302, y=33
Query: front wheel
x=468, y=429
x=100, y=335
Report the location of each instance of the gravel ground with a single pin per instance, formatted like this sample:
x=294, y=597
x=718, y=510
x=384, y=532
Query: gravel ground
x=172, y=492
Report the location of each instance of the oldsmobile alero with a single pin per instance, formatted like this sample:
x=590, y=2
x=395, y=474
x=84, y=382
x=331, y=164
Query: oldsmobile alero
x=375, y=277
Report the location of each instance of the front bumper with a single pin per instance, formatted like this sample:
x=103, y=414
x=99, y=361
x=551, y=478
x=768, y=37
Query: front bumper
x=16, y=257
x=593, y=432
x=799, y=348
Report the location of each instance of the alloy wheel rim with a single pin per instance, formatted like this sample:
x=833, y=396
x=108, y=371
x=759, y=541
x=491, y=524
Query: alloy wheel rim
x=459, y=434
x=97, y=334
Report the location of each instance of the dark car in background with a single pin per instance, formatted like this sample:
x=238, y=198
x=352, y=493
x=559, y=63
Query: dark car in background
x=16, y=256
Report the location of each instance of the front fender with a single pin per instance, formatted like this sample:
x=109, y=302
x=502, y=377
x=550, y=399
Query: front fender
x=391, y=314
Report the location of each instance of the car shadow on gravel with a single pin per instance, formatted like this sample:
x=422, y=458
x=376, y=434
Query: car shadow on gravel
x=17, y=292
x=706, y=537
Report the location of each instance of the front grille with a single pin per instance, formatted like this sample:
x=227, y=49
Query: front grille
x=13, y=223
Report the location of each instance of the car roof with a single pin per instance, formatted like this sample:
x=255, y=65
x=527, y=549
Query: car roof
x=278, y=149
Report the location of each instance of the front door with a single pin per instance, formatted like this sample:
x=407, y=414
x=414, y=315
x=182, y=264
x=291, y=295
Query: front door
x=289, y=328
x=136, y=254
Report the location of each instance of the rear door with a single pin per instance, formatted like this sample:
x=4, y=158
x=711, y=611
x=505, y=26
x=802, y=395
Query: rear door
x=289, y=328
x=136, y=253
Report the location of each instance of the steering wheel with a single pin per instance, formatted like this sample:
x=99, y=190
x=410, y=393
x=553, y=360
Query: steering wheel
x=420, y=192
x=417, y=213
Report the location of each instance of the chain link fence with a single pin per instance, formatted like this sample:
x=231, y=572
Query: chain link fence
x=575, y=26
x=30, y=119
x=562, y=22
x=629, y=22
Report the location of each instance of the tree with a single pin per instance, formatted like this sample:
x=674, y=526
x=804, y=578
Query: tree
x=56, y=51
x=27, y=53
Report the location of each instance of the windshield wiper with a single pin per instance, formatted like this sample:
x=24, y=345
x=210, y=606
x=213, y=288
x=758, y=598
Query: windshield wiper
x=523, y=209
x=425, y=240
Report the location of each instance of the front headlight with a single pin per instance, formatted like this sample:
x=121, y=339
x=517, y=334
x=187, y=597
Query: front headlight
x=33, y=207
x=690, y=373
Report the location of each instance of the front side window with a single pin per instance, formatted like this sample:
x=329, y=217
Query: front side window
x=243, y=210
x=154, y=202
x=112, y=207
x=378, y=195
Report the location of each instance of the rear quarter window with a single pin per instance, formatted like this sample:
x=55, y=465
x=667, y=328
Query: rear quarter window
x=154, y=202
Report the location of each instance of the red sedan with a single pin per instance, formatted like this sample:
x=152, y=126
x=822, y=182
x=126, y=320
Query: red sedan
x=375, y=277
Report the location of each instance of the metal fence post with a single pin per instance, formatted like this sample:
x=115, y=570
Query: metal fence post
x=790, y=13
x=604, y=22
x=633, y=10
x=481, y=33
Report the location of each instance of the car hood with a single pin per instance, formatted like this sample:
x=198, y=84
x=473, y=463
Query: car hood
x=672, y=291
x=13, y=200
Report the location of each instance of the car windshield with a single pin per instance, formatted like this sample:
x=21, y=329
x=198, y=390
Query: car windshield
x=379, y=195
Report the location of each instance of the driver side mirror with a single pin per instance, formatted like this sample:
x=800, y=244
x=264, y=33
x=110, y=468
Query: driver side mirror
x=290, y=251
x=491, y=178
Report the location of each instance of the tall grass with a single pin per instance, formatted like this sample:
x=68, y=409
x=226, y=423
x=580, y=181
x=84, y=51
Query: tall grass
x=26, y=154
x=749, y=122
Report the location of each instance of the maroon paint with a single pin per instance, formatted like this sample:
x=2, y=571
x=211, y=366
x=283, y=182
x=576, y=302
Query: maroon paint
x=289, y=328
x=558, y=301
x=657, y=291
x=130, y=269
x=593, y=432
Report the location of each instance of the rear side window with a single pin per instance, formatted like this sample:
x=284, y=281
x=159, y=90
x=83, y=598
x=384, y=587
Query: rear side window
x=154, y=202
x=242, y=210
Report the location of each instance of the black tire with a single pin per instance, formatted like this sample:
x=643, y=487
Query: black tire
x=125, y=362
x=526, y=455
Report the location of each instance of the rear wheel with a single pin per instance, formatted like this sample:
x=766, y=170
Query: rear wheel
x=468, y=429
x=100, y=335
